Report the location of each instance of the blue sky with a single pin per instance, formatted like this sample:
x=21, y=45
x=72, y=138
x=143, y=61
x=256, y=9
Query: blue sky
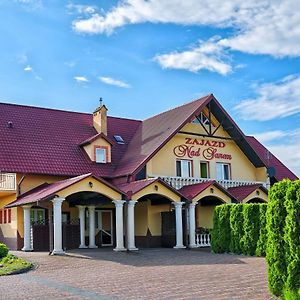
x=144, y=57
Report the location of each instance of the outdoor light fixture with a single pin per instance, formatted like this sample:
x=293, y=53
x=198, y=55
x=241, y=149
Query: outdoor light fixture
x=257, y=193
x=212, y=190
x=156, y=188
x=90, y=184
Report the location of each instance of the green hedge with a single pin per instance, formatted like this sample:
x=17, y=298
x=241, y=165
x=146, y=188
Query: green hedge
x=240, y=229
x=3, y=250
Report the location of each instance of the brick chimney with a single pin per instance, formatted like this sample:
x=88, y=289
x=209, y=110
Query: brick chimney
x=100, y=119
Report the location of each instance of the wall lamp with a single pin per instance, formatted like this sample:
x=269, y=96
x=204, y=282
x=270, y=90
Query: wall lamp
x=90, y=184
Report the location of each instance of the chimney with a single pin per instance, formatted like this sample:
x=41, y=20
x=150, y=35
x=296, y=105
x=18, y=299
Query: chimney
x=100, y=118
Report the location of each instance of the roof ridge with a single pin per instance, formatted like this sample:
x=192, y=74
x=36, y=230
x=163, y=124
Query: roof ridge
x=179, y=106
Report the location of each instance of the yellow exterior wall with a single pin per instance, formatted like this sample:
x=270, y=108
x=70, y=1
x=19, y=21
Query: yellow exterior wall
x=204, y=216
x=154, y=217
x=161, y=190
x=89, y=149
x=217, y=193
x=141, y=218
x=9, y=229
x=164, y=162
x=253, y=195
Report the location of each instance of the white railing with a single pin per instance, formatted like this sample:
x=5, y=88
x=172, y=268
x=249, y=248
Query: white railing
x=7, y=182
x=179, y=182
x=203, y=240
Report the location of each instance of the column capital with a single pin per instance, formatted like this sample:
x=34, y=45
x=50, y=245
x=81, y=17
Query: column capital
x=193, y=204
x=27, y=206
x=57, y=200
x=81, y=206
x=91, y=207
x=178, y=204
x=132, y=202
x=119, y=203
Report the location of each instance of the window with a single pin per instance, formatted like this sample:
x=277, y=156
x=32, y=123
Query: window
x=37, y=215
x=5, y=216
x=101, y=154
x=184, y=168
x=223, y=171
x=119, y=139
x=204, y=169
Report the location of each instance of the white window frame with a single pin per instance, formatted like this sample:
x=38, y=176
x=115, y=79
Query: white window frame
x=189, y=164
x=220, y=171
x=207, y=168
x=101, y=160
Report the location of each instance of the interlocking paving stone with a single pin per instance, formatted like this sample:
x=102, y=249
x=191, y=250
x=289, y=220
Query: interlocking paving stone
x=146, y=274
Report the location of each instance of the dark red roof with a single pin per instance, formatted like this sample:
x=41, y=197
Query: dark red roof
x=191, y=191
x=95, y=137
x=45, y=191
x=241, y=192
x=281, y=171
x=46, y=141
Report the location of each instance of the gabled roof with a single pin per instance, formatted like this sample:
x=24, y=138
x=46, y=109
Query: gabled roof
x=242, y=192
x=192, y=190
x=46, y=191
x=95, y=137
x=281, y=171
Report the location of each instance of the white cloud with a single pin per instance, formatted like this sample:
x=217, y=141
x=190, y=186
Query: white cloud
x=32, y=4
x=111, y=81
x=28, y=69
x=81, y=9
x=81, y=79
x=270, y=135
x=208, y=55
x=261, y=27
x=273, y=100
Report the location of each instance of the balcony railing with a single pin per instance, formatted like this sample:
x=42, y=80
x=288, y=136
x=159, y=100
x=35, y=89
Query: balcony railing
x=7, y=182
x=179, y=182
x=203, y=240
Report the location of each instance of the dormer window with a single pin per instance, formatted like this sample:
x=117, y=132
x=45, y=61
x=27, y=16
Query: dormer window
x=119, y=139
x=101, y=154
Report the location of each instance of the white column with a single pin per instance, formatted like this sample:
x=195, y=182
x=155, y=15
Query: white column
x=27, y=230
x=92, y=229
x=81, y=209
x=192, y=225
x=119, y=225
x=178, y=215
x=57, y=225
x=130, y=225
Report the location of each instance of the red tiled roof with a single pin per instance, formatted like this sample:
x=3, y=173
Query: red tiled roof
x=241, y=192
x=96, y=136
x=46, y=141
x=155, y=132
x=191, y=191
x=281, y=171
x=134, y=187
x=45, y=191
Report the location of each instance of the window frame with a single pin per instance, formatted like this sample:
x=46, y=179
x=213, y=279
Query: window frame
x=229, y=170
x=191, y=168
x=208, y=168
x=105, y=148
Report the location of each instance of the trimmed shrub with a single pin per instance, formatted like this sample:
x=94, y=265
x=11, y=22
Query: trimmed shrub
x=3, y=250
x=275, y=250
x=221, y=230
x=251, y=228
x=236, y=227
x=292, y=237
x=262, y=240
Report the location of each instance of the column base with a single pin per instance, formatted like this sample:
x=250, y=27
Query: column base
x=120, y=249
x=83, y=247
x=193, y=246
x=58, y=252
x=133, y=249
x=93, y=247
x=27, y=249
x=179, y=247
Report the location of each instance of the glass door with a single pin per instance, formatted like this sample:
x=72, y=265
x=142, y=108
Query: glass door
x=105, y=226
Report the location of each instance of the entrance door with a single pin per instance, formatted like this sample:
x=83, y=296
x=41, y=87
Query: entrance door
x=105, y=227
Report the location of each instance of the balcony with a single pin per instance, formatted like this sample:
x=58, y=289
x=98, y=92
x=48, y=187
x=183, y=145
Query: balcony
x=179, y=182
x=7, y=182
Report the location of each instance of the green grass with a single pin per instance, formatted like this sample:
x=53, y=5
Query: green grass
x=11, y=264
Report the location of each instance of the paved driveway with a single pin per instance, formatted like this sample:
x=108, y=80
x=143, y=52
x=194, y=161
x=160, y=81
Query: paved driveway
x=146, y=274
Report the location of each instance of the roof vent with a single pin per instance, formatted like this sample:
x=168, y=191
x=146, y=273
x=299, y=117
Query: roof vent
x=9, y=124
x=119, y=139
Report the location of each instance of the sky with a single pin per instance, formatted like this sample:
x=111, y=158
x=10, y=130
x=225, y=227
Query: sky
x=146, y=56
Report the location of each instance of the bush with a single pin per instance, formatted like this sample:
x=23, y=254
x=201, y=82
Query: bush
x=221, y=230
x=275, y=250
x=251, y=228
x=292, y=236
x=3, y=250
x=236, y=227
x=261, y=243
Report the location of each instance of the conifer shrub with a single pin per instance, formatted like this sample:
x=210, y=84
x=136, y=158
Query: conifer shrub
x=262, y=240
x=3, y=250
x=251, y=228
x=236, y=227
x=275, y=250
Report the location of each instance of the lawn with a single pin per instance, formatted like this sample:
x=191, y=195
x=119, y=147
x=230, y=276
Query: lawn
x=11, y=264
